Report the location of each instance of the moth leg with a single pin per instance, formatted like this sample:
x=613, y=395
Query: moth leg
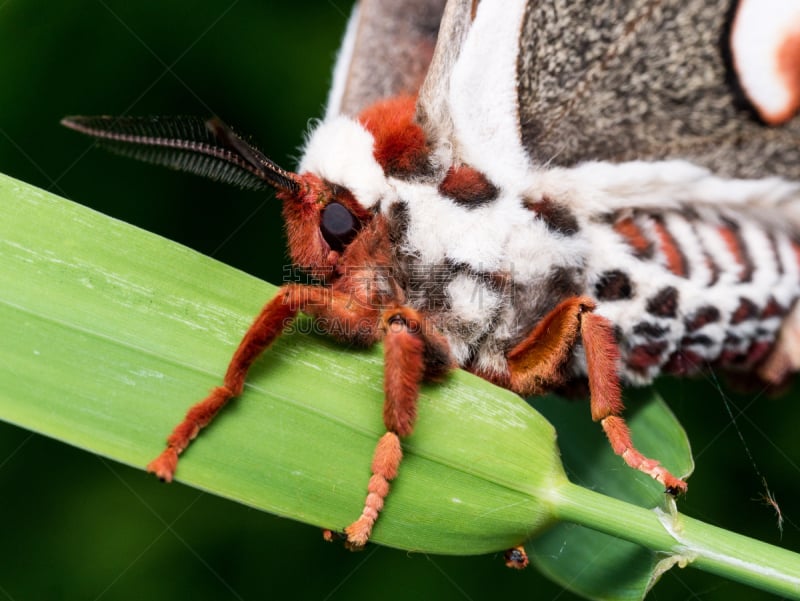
x=270, y=323
x=516, y=558
x=536, y=364
x=602, y=355
x=413, y=352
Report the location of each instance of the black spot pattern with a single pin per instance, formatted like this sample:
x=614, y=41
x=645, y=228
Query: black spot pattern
x=555, y=216
x=613, y=285
x=747, y=309
x=701, y=317
x=650, y=330
x=664, y=303
x=699, y=339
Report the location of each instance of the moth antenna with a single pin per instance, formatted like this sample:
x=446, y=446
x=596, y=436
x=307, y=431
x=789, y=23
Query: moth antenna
x=207, y=148
x=271, y=172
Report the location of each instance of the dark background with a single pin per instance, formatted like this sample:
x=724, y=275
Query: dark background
x=80, y=527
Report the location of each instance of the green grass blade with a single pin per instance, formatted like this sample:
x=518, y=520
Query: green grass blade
x=111, y=333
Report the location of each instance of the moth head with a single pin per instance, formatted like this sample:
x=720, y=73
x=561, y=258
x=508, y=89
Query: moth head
x=322, y=221
x=323, y=216
x=346, y=172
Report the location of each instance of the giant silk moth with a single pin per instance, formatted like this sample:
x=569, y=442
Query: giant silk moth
x=615, y=181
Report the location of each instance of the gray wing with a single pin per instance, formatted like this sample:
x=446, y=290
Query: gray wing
x=622, y=80
x=386, y=52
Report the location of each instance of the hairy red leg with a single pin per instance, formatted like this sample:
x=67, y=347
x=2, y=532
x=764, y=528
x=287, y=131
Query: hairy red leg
x=602, y=355
x=535, y=365
x=274, y=317
x=412, y=352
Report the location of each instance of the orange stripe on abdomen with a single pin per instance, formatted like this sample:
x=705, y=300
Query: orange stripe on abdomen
x=675, y=260
x=729, y=231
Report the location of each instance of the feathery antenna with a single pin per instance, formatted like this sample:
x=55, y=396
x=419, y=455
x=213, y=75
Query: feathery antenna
x=208, y=148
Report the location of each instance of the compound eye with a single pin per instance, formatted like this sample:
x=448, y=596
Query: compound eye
x=338, y=226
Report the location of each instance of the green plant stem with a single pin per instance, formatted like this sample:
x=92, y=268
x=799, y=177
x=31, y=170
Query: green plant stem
x=691, y=541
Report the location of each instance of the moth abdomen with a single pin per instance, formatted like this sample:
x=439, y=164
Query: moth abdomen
x=712, y=289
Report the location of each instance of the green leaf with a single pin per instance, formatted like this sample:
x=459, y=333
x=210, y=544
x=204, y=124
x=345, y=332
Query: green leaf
x=111, y=333
x=590, y=563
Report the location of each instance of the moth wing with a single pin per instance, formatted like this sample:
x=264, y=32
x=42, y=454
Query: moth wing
x=638, y=80
x=433, y=105
x=558, y=84
x=386, y=52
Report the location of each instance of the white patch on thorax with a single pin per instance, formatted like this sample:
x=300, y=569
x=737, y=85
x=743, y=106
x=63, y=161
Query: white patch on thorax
x=439, y=229
x=500, y=236
x=339, y=150
x=472, y=300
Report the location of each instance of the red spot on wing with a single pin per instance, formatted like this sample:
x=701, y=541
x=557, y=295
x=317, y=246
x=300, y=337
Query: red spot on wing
x=789, y=71
x=400, y=145
x=664, y=303
x=557, y=217
x=745, y=360
x=703, y=316
x=773, y=309
x=757, y=352
x=683, y=363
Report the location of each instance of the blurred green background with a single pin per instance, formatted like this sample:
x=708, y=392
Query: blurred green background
x=81, y=527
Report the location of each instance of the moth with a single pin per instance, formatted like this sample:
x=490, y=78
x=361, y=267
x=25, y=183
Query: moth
x=554, y=195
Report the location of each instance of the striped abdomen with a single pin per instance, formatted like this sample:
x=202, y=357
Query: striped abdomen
x=693, y=288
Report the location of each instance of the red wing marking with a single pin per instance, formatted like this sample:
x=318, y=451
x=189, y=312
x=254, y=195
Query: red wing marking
x=765, y=42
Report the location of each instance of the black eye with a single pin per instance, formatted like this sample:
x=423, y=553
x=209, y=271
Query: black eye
x=338, y=226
